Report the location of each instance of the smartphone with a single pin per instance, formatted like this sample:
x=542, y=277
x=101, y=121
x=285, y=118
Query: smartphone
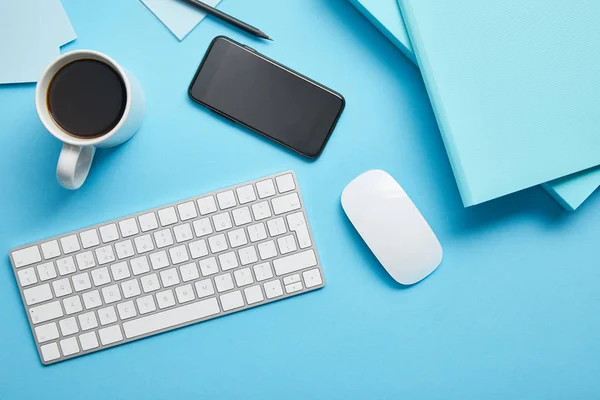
x=252, y=90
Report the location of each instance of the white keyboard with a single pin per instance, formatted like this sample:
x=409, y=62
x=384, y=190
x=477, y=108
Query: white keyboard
x=168, y=267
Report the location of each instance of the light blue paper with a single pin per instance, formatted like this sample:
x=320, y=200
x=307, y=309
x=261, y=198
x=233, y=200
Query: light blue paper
x=24, y=46
x=570, y=191
x=180, y=17
x=60, y=26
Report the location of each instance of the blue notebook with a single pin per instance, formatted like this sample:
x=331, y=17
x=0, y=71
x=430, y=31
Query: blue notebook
x=570, y=191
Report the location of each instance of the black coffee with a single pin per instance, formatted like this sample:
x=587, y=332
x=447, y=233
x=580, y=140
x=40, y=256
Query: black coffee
x=87, y=98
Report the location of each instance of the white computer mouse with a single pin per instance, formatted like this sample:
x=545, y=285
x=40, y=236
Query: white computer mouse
x=392, y=226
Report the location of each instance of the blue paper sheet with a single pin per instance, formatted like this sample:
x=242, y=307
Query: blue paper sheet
x=180, y=17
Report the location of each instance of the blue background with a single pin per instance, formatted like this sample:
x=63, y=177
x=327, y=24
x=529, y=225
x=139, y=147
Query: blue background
x=512, y=312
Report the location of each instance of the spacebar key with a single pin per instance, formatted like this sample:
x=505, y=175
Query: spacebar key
x=170, y=318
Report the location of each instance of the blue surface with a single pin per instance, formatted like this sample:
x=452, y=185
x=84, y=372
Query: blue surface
x=511, y=313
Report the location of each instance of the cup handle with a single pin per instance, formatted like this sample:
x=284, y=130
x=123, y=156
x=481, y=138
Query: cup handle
x=74, y=165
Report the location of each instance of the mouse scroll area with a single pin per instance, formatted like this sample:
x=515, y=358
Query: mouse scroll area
x=392, y=226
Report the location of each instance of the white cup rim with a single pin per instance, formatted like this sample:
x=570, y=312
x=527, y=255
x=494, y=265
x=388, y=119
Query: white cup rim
x=41, y=91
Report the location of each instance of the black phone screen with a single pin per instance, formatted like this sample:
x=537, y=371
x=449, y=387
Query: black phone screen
x=252, y=90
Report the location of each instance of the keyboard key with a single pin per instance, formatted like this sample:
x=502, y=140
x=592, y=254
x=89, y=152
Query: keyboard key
x=150, y=283
x=183, y=233
x=148, y=222
x=101, y=276
x=257, y=232
x=265, y=188
x=124, y=249
x=205, y=288
x=46, y=271
x=107, y=315
x=263, y=271
x=187, y=211
x=231, y=301
x=243, y=277
x=293, y=288
x=91, y=299
x=273, y=289
x=27, y=276
x=105, y=255
x=228, y=261
x=88, y=321
x=254, y=294
x=111, y=294
x=261, y=210
x=241, y=216
x=88, y=341
x=222, y=221
x=167, y=216
x=62, y=287
x=159, y=260
x=165, y=299
x=72, y=305
x=312, y=278
x=120, y=271
x=85, y=260
x=89, y=238
x=285, y=183
x=66, y=266
x=68, y=326
x=276, y=226
x=207, y=205
x=70, y=244
x=208, y=266
x=224, y=282
x=50, y=352
x=81, y=282
x=248, y=255
x=139, y=265
x=126, y=310
x=169, y=277
x=287, y=203
x=237, y=238
x=128, y=227
x=163, y=238
x=146, y=304
x=45, y=333
x=170, y=318
x=189, y=272
x=109, y=233
x=130, y=288
x=295, y=262
x=179, y=254
x=226, y=200
x=287, y=244
x=267, y=250
x=27, y=256
x=246, y=194
x=203, y=227
x=50, y=249
x=184, y=294
x=217, y=243
x=45, y=312
x=110, y=335
x=144, y=244
x=69, y=346
x=37, y=294
x=288, y=280
x=198, y=248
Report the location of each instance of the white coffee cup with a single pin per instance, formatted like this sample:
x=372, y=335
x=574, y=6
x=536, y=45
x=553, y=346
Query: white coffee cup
x=77, y=153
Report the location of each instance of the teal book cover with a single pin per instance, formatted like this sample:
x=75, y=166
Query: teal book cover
x=524, y=114
x=570, y=191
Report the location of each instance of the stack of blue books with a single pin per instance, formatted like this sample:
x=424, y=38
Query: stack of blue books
x=517, y=102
